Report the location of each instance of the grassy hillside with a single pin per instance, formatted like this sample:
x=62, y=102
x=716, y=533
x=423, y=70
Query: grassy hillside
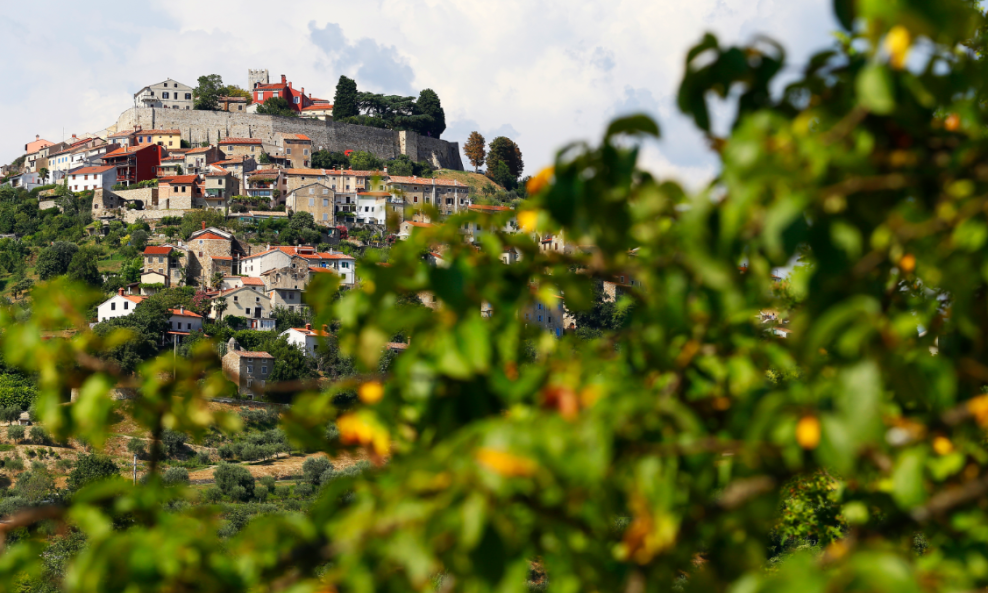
x=475, y=180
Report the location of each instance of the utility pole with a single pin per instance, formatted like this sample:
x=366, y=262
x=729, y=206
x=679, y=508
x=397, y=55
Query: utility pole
x=135, y=469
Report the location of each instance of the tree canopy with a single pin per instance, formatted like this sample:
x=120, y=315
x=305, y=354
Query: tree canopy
x=345, y=101
x=688, y=447
x=277, y=106
x=55, y=260
x=207, y=92
x=475, y=150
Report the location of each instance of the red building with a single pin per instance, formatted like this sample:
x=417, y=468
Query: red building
x=135, y=163
x=284, y=89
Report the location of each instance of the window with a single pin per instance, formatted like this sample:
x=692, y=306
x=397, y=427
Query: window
x=274, y=95
x=288, y=151
x=188, y=326
x=257, y=299
x=311, y=191
x=325, y=191
x=305, y=151
x=297, y=100
x=264, y=370
x=113, y=306
x=188, y=97
x=325, y=216
x=164, y=95
x=250, y=368
x=126, y=306
x=325, y=203
x=235, y=299
x=252, y=149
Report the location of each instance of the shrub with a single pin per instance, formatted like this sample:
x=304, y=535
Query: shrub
x=314, y=468
x=173, y=443
x=175, y=475
x=63, y=464
x=268, y=482
x=31, y=453
x=137, y=447
x=10, y=413
x=90, y=468
x=9, y=506
x=40, y=436
x=235, y=481
x=14, y=463
x=204, y=458
x=17, y=391
x=16, y=433
x=212, y=494
x=304, y=490
x=227, y=451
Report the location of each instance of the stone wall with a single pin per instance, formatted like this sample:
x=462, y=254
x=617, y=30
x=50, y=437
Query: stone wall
x=147, y=195
x=48, y=204
x=132, y=216
x=207, y=126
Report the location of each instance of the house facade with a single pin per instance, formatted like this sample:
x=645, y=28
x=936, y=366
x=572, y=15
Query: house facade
x=178, y=193
x=135, y=163
x=234, y=147
x=249, y=371
x=168, y=94
x=119, y=305
x=87, y=178
x=305, y=338
x=297, y=150
x=246, y=301
x=296, y=98
x=181, y=323
x=446, y=195
x=372, y=207
x=317, y=199
x=196, y=160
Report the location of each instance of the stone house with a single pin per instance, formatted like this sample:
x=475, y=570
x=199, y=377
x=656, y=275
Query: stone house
x=248, y=370
x=229, y=282
x=348, y=183
x=172, y=165
x=234, y=147
x=246, y=301
x=212, y=251
x=240, y=167
x=286, y=285
x=317, y=199
x=136, y=163
x=158, y=260
x=124, y=138
x=181, y=324
x=219, y=186
x=447, y=195
x=297, y=150
x=178, y=193
x=283, y=256
x=167, y=94
x=104, y=200
x=235, y=104
x=196, y=160
x=298, y=178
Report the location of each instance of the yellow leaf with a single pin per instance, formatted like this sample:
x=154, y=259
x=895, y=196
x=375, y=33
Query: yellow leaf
x=897, y=43
x=505, y=464
x=371, y=392
x=942, y=445
x=808, y=432
x=540, y=181
x=527, y=219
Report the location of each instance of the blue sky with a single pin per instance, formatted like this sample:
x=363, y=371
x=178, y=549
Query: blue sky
x=542, y=72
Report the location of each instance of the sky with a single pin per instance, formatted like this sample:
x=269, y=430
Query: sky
x=544, y=73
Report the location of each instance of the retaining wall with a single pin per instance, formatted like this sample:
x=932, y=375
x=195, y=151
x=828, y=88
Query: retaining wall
x=208, y=126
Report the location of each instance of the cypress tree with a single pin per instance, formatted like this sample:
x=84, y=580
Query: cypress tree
x=345, y=103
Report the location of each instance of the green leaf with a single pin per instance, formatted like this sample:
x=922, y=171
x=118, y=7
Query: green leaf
x=633, y=125
x=907, y=478
x=876, y=89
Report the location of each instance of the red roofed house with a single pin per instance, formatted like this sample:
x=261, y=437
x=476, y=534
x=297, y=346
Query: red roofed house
x=182, y=323
x=305, y=338
x=119, y=305
x=296, y=98
x=232, y=147
x=87, y=178
x=180, y=192
x=218, y=187
x=240, y=167
x=159, y=266
x=249, y=370
x=318, y=111
x=135, y=163
x=248, y=301
x=197, y=159
x=37, y=144
x=280, y=257
x=212, y=252
x=297, y=150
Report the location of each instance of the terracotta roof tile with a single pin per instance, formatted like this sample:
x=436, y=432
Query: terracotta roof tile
x=92, y=170
x=153, y=250
x=182, y=179
x=246, y=354
x=184, y=313
x=426, y=181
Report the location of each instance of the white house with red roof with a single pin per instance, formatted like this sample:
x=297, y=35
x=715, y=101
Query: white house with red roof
x=87, y=178
x=305, y=338
x=280, y=256
x=182, y=323
x=119, y=305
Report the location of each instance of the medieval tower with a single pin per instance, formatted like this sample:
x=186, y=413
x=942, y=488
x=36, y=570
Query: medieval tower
x=256, y=77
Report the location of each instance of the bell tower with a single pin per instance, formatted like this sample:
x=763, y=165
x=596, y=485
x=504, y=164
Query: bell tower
x=256, y=77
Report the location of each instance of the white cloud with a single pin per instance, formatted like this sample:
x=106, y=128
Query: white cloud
x=544, y=72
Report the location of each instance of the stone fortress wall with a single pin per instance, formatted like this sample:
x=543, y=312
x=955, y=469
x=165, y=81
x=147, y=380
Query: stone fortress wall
x=208, y=126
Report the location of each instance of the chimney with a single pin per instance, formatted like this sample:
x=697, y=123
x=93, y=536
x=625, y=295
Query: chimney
x=303, y=91
x=37, y=136
x=283, y=80
x=181, y=309
x=289, y=85
x=310, y=95
x=308, y=326
x=120, y=291
x=204, y=225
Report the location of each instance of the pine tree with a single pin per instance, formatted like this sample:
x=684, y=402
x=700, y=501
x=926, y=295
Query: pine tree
x=345, y=102
x=475, y=151
x=429, y=104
